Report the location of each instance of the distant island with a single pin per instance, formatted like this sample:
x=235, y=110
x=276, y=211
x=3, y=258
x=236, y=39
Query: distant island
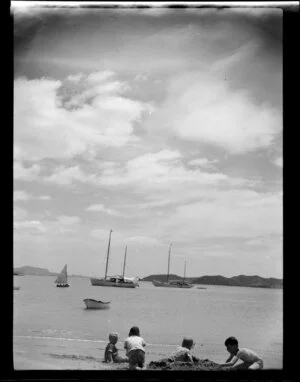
x=241, y=280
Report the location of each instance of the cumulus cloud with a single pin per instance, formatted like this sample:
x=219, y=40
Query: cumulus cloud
x=19, y=213
x=62, y=224
x=21, y=195
x=68, y=220
x=102, y=208
x=202, y=162
x=64, y=175
x=204, y=109
x=26, y=173
x=235, y=213
x=279, y=162
x=45, y=197
x=61, y=119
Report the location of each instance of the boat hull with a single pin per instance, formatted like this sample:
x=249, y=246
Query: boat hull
x=95, y=304
x=16, y=287
x=63, y=286
x=171, y=285
x=118, y=284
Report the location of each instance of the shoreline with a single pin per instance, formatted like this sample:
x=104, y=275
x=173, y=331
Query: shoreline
x=37, y=353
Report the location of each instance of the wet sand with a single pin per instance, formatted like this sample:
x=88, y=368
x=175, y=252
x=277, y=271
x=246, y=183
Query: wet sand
x=54, y=354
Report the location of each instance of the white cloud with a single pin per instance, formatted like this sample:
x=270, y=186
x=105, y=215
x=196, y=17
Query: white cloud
x=102, y=208
x=26, y=173
x=279, y=162
x=45, y=197
x=29, y=225
x=162, y=169
x=68, y=220
x=19, y=213
x=44, y=128
x=236, y=213
x=202, y=108
x=21, y=195
x=144, y=240
x=202, y=162
x=63, y=175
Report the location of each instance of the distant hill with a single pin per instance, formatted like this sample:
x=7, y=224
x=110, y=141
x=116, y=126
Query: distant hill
x=34, y=271
x=241, y=280
x=161, y=277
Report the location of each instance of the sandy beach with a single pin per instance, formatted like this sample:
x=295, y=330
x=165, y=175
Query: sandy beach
x=33, y=353
x=55, y=354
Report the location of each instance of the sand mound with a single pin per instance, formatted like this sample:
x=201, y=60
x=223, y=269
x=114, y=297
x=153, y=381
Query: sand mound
x=202, y=364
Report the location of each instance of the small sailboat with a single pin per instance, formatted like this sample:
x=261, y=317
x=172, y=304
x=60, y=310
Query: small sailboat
x=115, y=281
x=172, y=283
x=90, y=303
x=62, y=278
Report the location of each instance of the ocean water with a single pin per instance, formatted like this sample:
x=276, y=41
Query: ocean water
x=164, y=315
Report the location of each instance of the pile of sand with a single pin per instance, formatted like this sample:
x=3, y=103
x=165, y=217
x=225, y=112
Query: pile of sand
x=202, y=364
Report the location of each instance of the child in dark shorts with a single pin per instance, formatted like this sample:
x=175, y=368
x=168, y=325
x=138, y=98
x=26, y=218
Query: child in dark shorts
x=134, y=346
x=111, y=353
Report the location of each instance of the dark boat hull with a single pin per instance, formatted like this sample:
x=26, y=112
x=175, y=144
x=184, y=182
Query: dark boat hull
x=171, y=284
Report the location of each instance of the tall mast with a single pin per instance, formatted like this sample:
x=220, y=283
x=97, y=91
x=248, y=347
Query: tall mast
x=124, y=262
x=107, y=253
x=169, y=262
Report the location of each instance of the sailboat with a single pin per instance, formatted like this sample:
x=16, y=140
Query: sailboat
x=115, y=281
x=62, y=278
x=172, y=283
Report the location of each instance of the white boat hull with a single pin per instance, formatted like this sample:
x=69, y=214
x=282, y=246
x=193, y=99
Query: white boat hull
x=95, y=304
x=118, y=284
x=171, y=284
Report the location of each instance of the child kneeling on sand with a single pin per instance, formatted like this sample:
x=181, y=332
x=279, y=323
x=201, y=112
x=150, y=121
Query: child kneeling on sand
x=134, y=346
x=183, y=352
x=241, y=358
x=111, y=353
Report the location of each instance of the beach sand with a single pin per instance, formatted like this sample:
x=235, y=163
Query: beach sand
x=36, y=353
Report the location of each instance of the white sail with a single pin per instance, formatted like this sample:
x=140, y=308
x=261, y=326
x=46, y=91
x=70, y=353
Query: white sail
x=62, y=278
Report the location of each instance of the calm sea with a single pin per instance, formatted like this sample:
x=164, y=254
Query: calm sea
x=164, y=315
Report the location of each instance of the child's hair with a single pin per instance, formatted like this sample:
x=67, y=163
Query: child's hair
x=113, y=336
x=231, y=341
x=134, y=331
x=187, y=342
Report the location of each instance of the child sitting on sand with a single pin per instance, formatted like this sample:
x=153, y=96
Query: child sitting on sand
x=111, y=353
x=135, y=351
x=241, y=358
x=183, y=352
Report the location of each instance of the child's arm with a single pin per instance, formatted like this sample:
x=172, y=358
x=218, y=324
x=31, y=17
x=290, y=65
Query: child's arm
x=232, y=360
x=190, y=358
x=109, y=357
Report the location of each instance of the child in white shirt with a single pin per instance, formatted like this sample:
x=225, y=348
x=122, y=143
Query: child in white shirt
x=134, y=345
x=183, y=352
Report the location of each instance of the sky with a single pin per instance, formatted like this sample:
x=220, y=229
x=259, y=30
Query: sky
x=164, y=125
